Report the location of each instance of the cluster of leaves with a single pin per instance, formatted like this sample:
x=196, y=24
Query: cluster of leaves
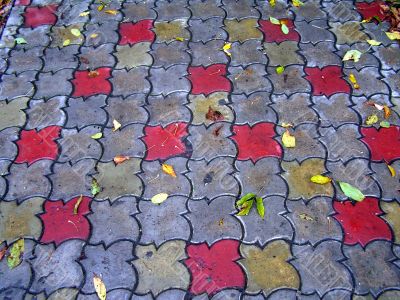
x=392, y=11
x=245, y=204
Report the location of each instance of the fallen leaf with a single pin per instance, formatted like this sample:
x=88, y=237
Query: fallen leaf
x=94, y=35
x=214, y=115
x=97, y=136
x=100, y=7
x=245, y=198
x=117, y=125
x=286, y=125
x=67, y=42
x=378, y=106
x=221, y=222
x=159, y=198
x=391, y=170
x=353, y=80
x=306, y=217
x=3, y=252
x=284, y=28
x=226, y=47
x=279, y=70
x=93, y=74
x=75, y=32
x=20, y=40
x=387, y=111
x=16, y=251
x=95, y=187
x=384, y=124
x=245, y=208
x=351, y=192
x=272, y=3
x=119, y=159
x=297, y=3
x=99, y=287
x=352, y=55
x=78, y=202
x=373, y=42
x=288, y=140
x=111, y=12
x=168, y=169
x=393, y=35
x=260, y=207
x=372, y=119
x=274, y=21
x=180, y=39
x=217, y=130
x=84, y=14
x=320, y=179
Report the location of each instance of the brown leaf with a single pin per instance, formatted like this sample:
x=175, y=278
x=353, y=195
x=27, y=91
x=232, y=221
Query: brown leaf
x=387, y=111
x=93, y=74
x=214, y=115
x=119, y=159
x=3, y=252
x=217, y=130
x=78, y=202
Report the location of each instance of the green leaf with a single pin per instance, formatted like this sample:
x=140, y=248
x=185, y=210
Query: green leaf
x=274, y=21
x=95, y=187
x=97, y=136
x=16, y=251
x=75, y=32
x=260, y=207
x=20, y=40
x=384, y=124
x=159, y=198
x=279, y=70
x=352, y=55
x=246, y=208
x=351, y=192
x=67, y=42
x=245, y=198
x=284, y=29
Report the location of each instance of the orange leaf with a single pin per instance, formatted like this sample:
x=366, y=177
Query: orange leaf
x=93, y=74
x=119, y=159
x=3, y=252
x=387, y=111
x=168, y=169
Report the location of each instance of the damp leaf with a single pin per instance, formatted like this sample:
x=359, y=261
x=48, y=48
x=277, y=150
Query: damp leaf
x=245, y=208
x=20, y=40
x=320, y=179
x=111, y=12
x=274, y=21
x=159, y=198
x=119, y=159
x=99, y=287
x=351, y=191
x=297, y=3
x=386, y=111
x=214, y=115
x=117, y=125
x=245, y=198
x=260, y=207
x=78, y=202
x=384, y=124
x=95, y=187
x=373, y=42
x=168, y=169
x=306, y=217
x=372, y=119
x=280, y=70
x=391, y=170
x=97, y=136
x=288, y=140
x=75, y=32
x=16, y=252
x=284, y=29
x=67, y=42
x=352, y=55
x=393, y=35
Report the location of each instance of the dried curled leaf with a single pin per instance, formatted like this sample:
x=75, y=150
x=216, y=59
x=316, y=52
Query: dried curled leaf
x=95, y=187
x=272, y=3
x=16, y=252
x=391, y=170
x=306, y=217
x=66, y=42
x=97, y=136
x=280, y=70
x=260, y=207
x=117, y=125
x=168, y=169
x=372, y=119
x=84, y=14
x=94, y=35
x=20, y=40
x=351, y=192
x=214, y=115
x=352, y=55
x=320, y=179
x=99, y=287
x=159, y=198
x=288, y=140
x=78, y=202
x=286, y=125
x=119, y=159
x=386, y=111
x=93, y=74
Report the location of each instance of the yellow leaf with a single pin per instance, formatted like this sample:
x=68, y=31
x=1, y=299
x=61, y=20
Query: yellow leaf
x=66, y=42
x=297, y=3
x=391, y=170
x=159, y=198
x=279, y=70
x=306, y=217
x=352, y=55
x=78, y=202
x=94, y=35
x=272, y=3
x=393, y=35
x=111, y=12
x=119, y=159
x=84, y=14
x=320, y=179
x=100, y=287
x=353, y=80
x=168, y=169
x=100, y=7
x=387, y=111
x=75, y=32
x=97, y=136
x=117, y=125
x=372, y=119
x=226, y=47
x=288, y=140
x=286, y=125
x=181, y=39
x=373, y=42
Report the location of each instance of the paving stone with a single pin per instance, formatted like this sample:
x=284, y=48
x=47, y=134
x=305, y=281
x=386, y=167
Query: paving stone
x=240, y=9
x=320, y=55
x=377, y=32
x=70, y=10
x=35, y=37
x=13, y=86
x=93, y=58
x=209, y=180
x=125, y=141
x=372, y=267
x=314, y=32
x=4, y=167
x=118, y=294
x=247, y=53
x=12, y=114
x=207, y=29
x=126, y=111
x=167, y=109
x=170, y=10
x=391, y=210
x=56, y=267
x=130, y=82
x=389, y=57
x=253, y=109
x=169, y=271
x=320, y=267
x=111, y=263
x=259, y=230
x=166, y=81
x=341, y=11
x=339, y=141
x=205, y=9
x=369, y=81
x=15, y=17
x=290, y=82
x=283, y=54
x=24, y=60
x=393, y=80
x=274, y=256
x=8, y=148
x=242, y=30
x=105, y=33
x=167, y=218
x=60, y=34
x=310, y=11
x=60, y=58
x=136, y=11
x=208, y=53
x=166, y=55
x=156, y=180
x=249, y=79
x=278, y=11
x=312, y=221
x=86, y=112
x=335, y=110
x=99, y=16
x=169, y=31
x=131, y=57
x=347, y=33
x=366, y=59
x=294, y=109
x=43, y=114
x=113, y=179
x=53, y=84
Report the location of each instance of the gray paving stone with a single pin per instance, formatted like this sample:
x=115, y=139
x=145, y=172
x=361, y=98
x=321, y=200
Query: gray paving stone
x=13, y=86
x=393, y=80
x=133, y=56
x=341, y=11
x=45, y=113
x=240, y=9
x=320, y=55
x=290, y=81
x=130, y=82
x=168, y=31
x=53, y=84
x=118, y=294
x=56, y=59
x=24, y=60
x=249, y=79
x=15, y=17
x=111, y=263
x=208, y=53
x=61, y=33
x=106, y=33
x=247, y=53
x=369, y=80
x=279, y=11
x=389, y=57
x=311, y=10
x=207, y=29
x=283, y=54
x=366, y=59
x=138, y=10
x=4, y=165
x=126, y=111
x=93, y=58
x=212, y=221
x=294, y=109
x=170, y=10
x=166, y=81
x=12, y=112
x=166, y=55
x=97, y=16
x=205, y=9
x=389, y=185
x=377, y=32
x=314, y=32
x=209, y=180
x=69, y=12
x=348, y=33
x=166, y=217
x=168, y=109
x=36, y=37
x=8, y=148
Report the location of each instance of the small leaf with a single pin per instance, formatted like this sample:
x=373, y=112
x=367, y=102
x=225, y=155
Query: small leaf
x=244, y=199
x=97, y=136
x=351, y=192
x=93, y=74
x=159, y=198
x=100, y=7
x=352, y=55
x=245, y=209
x=214, y=115
x=78, y=202
x=372, y=119
x=99, y=287
x=94, y=35
x=373, y=42
x=391, y=170
x=384, y=124
x=297, y=3
x=180, y=39
x=260, y=207
x=306, y=217
x=3, y=252
x=67, y=42
x=272, y=3
x=387, y=111
x=274, y=21
x=95, y=187
x=353, y=80
x=320, y=179
x=378, y=106
x=117, y=125
x=16, y=251
x=111, y=12
x=20, y=40
x=288, y=140
x=119, y=159
x=84, y=14
x=168, y=169
x=286, y=125
x=226, y=47
x=284, y=29
x=75, y=32
x=279, y=70
x=393, y=35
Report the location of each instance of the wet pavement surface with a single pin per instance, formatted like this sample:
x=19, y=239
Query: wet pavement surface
x=70, y=69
